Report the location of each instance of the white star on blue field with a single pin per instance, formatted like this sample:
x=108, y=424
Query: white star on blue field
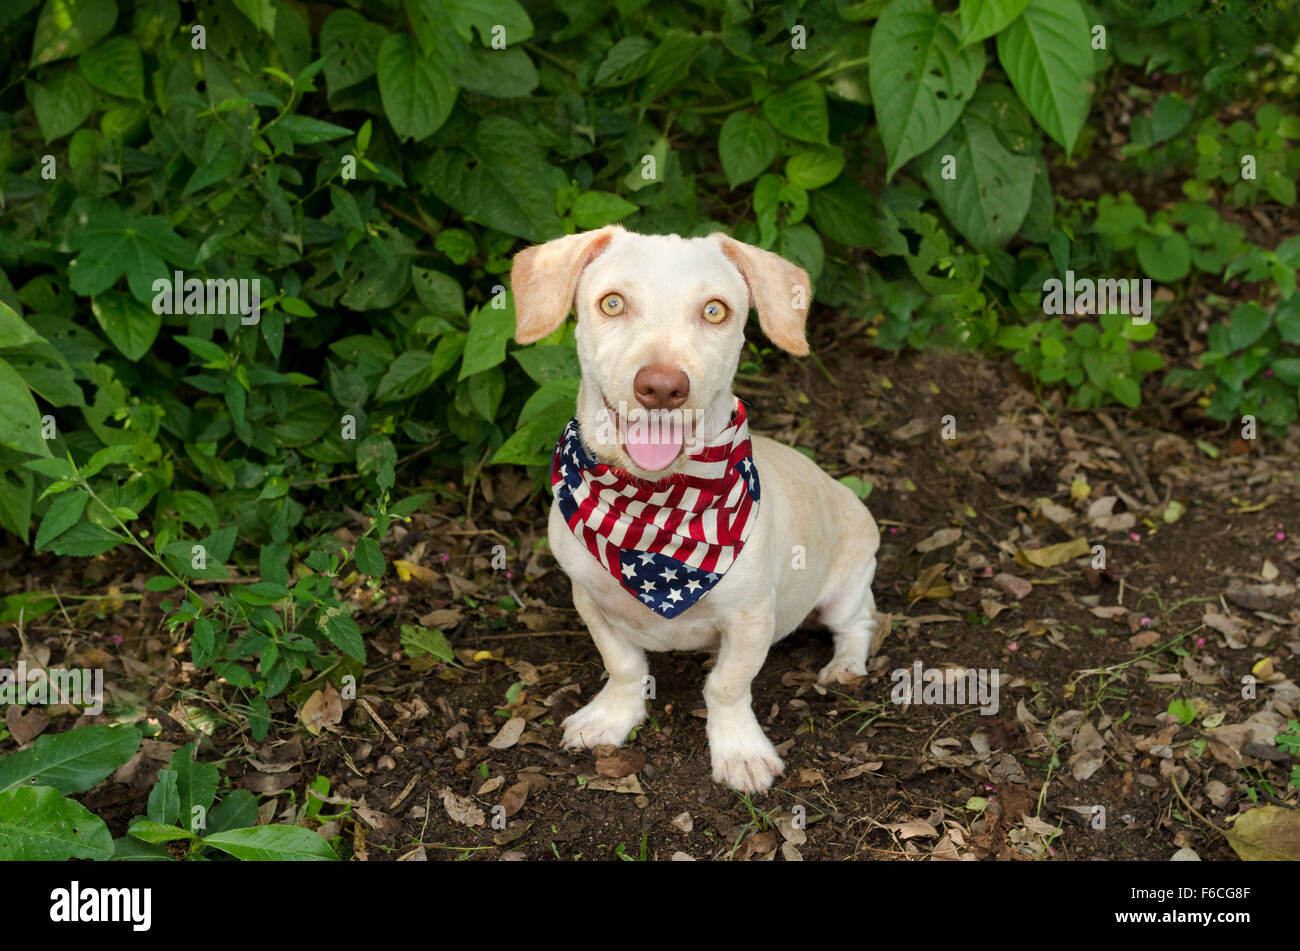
x=663, y=584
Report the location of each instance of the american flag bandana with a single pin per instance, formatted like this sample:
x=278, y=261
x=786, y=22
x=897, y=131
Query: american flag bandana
x=667, y=543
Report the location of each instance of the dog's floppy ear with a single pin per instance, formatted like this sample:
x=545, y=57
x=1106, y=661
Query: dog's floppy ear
x=779, y=291
x=544, y=279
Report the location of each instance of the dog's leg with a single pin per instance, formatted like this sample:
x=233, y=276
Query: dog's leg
x=741, y=753
x=620, y=705
x=851, y=617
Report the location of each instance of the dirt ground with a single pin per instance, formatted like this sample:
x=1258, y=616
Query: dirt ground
x=1081, y=759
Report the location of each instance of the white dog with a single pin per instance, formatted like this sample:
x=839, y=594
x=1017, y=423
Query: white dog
x=679, y=531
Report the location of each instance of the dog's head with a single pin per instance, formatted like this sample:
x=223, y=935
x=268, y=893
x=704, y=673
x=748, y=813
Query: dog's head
x=661, y=323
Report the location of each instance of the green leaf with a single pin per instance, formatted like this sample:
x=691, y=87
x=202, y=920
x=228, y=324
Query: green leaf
x=272, y=844
x=115, y=66
x=1125, y=390
x=237, y=810
x=409, y=374
x=70, y=27
x=503, y=74
x=148, y=831
x=980, y=19
x=14, y=331
x=350, y=45
x=85, y=540
x=1048, y=57
x=489, y=330
x=597, y=209
x=800, y=112
x=847, y=212
x=1249, y=322
x=417, y=91
x=261, y=13
x=37, y=824
x=1170, y=116
x=196, y=786
x=307, y=131
x=484, y=15
x=626, y=62
x=1165, y=258
x=547, y=363
x=164, y=799
x=71, y=762
x=129, y=325
x=116, y=241
x=813, y=168
x=369, y=558
x=747, y=145
x=986, y=197
x=63, y=514
x=61, y=106
x=511, y=188
x=344, y=634
x=20, y=421
x=418, y=641
x=440, y=293
x=920, y=80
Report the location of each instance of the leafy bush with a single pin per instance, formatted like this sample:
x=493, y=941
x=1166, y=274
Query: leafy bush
x=373, y=172
x=39, y=823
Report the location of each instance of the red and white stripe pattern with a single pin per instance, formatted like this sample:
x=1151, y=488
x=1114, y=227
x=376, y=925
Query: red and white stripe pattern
x=668, y=542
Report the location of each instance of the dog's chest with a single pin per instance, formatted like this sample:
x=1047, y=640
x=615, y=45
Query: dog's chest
x=695, y=629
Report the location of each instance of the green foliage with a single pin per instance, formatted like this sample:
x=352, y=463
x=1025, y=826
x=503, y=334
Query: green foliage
x=39, y=823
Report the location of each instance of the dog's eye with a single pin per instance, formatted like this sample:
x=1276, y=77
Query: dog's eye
x=611, y=305
x=715, y=312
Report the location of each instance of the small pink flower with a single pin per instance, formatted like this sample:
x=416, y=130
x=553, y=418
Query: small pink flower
x=1155, y=76
x=1280, y=536
x=397, y=655
x=1013, y=646
x=1200, y=642
x=1135, y=536
x=509, y=575
x=118, y=638
x=392, y=599
x=1268, y=372
x=893, y=530
x=988, y=569
x=1145, y=621
x=989, y=787
x=1232, y=284
x=443, y=556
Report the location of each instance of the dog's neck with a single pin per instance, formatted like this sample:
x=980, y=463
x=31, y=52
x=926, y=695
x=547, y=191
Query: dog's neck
x=716, y=417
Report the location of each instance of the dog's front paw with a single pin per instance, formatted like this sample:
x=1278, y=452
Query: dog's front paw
x=842, y=671
x=744, y=758
x=603, y=721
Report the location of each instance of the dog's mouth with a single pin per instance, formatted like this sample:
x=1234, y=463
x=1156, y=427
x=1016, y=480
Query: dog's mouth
x=653, y=439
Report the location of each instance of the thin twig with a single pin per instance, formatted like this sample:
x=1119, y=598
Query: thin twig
x=1125, y=447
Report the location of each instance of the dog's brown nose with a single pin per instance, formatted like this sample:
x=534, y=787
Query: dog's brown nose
x=660, y=387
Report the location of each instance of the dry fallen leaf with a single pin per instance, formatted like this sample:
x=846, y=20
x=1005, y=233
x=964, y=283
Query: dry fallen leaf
x=620, y=763
x=461, y=808
x=1018, y=588
x=509, y=734
x=940, y=539
x=322, y=709
x=407, y=570
x=1053, y=555
x=1267, y=834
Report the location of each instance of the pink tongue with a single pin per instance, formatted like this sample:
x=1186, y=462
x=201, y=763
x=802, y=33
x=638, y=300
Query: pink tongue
x=653, y=446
